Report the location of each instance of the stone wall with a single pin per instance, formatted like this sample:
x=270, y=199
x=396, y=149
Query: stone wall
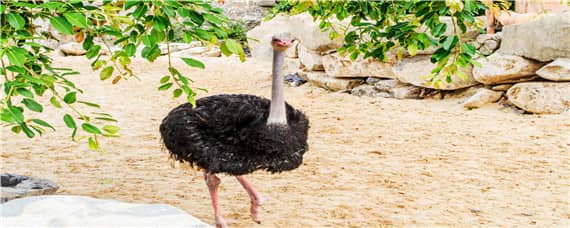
x=527, y=65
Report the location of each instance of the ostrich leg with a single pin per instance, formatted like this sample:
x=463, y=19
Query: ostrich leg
x=256, y=199
x=213, y=182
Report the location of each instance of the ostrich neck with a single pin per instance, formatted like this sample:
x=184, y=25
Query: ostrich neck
x=277, y=113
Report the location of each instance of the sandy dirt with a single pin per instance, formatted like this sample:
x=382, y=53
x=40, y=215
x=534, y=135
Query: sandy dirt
x=372, y=162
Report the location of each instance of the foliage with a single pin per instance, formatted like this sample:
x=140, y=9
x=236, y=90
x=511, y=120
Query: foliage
x=377, y=27
x=29, y=79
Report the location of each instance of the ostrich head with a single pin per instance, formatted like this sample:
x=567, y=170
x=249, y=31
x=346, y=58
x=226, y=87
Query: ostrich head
x=281, y=41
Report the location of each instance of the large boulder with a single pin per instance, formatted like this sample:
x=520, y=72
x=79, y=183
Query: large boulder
x=501, y=68
x=259, y=38
x=541, y=97
x=322, y=80
x=544, y=39
x=311, y=60
x=311, y=36
x=558, y=70
x=82, y=211
x=342, y=67
x=416, y=70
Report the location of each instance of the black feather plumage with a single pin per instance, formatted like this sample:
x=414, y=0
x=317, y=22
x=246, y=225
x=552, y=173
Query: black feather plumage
x=229, y=134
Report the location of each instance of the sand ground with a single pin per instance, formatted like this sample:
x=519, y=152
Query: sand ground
x=372, y=162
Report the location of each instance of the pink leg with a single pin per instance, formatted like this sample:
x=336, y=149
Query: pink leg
x=256, y=199
x=213, y=182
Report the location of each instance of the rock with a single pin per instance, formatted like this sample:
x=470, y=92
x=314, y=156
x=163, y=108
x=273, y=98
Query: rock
x=461, y=93
x=265, y=3
x=215, y=52
x=544, y=39
x=293, y=51
x=18, y=186
x=372, y=80
x=294, y=79
x=541, y=97
x=558, y=70
x=245, y=11
x=484, y=37
x=291, y=65
x=72, y=48
x=482, y=97
x=190, y=51
x=342, y=67
x=398, y=90
x=488, y=47
x=310, y=60
x=369, y=91
x=499, y=68
x=50, y=43
x=333, y=84
x=82, y=211
x=416, y=69
x=259, y=38
x=308, y=32
x=503, y=87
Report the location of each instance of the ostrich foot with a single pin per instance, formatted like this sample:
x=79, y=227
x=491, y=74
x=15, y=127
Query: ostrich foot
x=212, y=181
x=256, y=199
x=255, y=209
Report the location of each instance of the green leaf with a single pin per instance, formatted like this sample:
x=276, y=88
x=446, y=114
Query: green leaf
x=130, y=49
x=193, y=63
x=177, y=92
x=140, y=11
x=16, y=129
x=77, y=19
x=32, y=105
x=25, y=92
x=62, y=25
x=439, y=29
x=98, y=64
x=236, y=48
x=27, y=130
x=17, y=56
x=111, y=129
x=106, y=73
x=412, y=49
x=17, y=69
x=89, y=104
x=54, y=102
x=468, y=48
x=90, y=128
x=69, y=121
x=165, y=86
x=43, y=123
x=165, y=79
x=70, y=98
x=15, y=20
x=106, y=119
x=93, y=145
x=450, y=42
x=93, y=51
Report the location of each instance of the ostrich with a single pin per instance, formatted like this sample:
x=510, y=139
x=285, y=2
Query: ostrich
x=238, y=134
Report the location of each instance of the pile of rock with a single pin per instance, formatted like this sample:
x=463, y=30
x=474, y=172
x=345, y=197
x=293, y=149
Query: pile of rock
x=18, y=186
x=531, y=68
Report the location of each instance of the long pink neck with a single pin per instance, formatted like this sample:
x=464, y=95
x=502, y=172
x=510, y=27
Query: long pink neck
x=277, y=113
